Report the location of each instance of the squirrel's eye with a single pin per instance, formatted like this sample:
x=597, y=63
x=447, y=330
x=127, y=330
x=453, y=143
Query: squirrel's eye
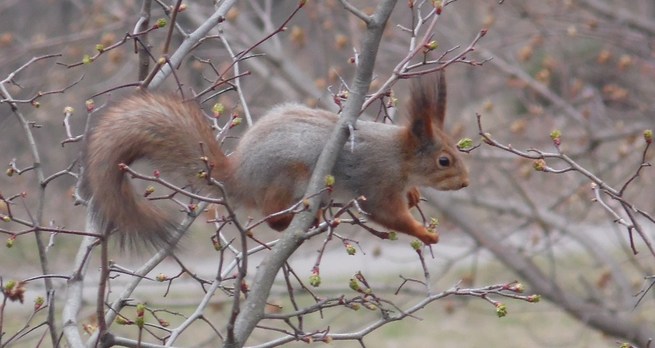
x=444, y=161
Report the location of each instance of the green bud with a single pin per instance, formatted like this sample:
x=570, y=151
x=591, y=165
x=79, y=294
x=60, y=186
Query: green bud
x=534, y=298
x=431, y=46
x=123, y=321
x=648, y=136
x=501, y=310
x=539, y=165
x=556, y=136
x=161, y=22
x=465, y=143
x=217, y=244
x=38, y=302
x=350, y=249
x=149, y=190
x=315, y=279
x=329, y=180
x=218, y=109
x=140, y=310
x=10, y=241
x=235, y=122
x=416, y=244
x=354, y=284
x=10, y=285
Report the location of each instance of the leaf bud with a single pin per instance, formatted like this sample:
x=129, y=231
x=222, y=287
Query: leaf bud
x=501, y=310
x=140, y=310
x=353, y=284
x=539, y=165
x=315, y=279
x=90, y=105
x=38, y=302
x=217, y=110
x=465, y=143
x=329, y=180
x=120, y=320
x=534, y=298
x=431, y=46
x=149, y=190
x=235, y=122
x=648, y=136
x=161, y=22
x=10, y=241
x=350, y=249
x=556, y=135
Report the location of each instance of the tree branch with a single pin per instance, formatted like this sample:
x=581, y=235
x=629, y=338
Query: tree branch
x=253, y=309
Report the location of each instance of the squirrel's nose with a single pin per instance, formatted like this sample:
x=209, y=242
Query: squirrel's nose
x=465, y=183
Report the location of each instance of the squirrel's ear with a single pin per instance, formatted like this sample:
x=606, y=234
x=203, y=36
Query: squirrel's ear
x=427, y=104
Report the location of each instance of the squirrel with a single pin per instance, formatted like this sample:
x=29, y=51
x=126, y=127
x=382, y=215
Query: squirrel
x=270, y=168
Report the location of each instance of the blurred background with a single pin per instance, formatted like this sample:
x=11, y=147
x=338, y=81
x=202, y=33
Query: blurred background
x=584, y=67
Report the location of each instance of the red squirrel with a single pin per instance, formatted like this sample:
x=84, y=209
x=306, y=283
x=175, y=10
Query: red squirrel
x=270, y=168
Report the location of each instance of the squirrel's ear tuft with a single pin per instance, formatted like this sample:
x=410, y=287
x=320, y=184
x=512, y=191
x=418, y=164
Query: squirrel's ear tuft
x=427, y=103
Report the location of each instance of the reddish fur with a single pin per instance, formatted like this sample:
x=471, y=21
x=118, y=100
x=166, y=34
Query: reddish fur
x=413, y=197
x=280, y=195
x=394, y=214
x=169, y=131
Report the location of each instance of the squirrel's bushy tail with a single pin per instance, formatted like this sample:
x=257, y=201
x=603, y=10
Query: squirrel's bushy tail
x=173, y=135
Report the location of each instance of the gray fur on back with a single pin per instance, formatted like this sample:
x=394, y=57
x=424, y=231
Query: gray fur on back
x=277, y=137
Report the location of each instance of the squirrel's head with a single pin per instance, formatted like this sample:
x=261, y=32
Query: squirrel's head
x=432, y=157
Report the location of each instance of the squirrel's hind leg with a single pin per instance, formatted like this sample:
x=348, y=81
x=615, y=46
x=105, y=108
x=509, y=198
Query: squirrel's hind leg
x=276, y=199
x=285, y=189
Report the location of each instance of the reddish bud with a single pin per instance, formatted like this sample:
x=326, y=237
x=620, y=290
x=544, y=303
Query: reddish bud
x=90, y=105
x=140, y=310
x=648, y=136
x=38, y=302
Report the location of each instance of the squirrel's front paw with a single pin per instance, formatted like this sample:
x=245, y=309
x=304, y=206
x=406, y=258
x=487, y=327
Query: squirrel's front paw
x=429, y=236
